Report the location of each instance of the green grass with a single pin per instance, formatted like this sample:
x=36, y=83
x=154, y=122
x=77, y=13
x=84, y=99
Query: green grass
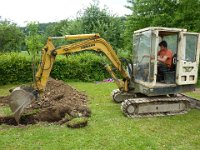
x=4, y=90
x=4, y=110
x=107, y=128
x=194, y=94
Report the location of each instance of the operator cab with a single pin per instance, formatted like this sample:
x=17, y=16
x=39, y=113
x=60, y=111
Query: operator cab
x=185, y=47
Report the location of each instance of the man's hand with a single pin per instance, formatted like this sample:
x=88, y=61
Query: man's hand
x=151, y=57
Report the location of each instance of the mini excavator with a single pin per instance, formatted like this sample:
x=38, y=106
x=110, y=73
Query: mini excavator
x=139, y=91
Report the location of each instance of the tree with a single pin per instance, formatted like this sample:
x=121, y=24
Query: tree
x=11, y=37
x=54, y=29
x=73, y=27
x=34, y=43
x=34, y=38
x=188, y=15
x=166, y=13
x=109, y=26
x=90, y=20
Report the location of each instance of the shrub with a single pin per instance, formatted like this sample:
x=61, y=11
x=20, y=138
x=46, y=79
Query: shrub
x=81, y=67
x=17, y=68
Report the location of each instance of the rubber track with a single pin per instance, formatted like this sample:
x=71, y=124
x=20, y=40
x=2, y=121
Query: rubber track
x=114, y=92
x=150, y=100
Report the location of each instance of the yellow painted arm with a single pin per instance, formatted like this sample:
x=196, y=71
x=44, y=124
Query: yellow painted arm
x=77, y=37
x=94, y=42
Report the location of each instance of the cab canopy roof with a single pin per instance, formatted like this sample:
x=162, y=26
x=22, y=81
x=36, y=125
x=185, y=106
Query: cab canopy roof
x=161, y=29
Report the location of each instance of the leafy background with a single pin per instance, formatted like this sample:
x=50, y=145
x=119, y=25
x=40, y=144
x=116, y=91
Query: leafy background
x=117, y=30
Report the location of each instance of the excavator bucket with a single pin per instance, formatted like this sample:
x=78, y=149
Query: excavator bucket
x=20, y=99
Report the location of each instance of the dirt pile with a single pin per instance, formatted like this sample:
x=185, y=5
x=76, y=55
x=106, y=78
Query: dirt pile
x=4, y=100
x=59, y=103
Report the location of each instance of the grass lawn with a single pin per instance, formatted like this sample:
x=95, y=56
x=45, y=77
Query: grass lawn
x=107, y=129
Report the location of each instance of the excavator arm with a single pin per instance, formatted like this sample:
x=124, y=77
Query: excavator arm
x=21, y=97
x=91, y=42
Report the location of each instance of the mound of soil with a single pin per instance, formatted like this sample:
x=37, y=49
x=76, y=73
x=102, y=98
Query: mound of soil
x=4, y=100
x=59, y=103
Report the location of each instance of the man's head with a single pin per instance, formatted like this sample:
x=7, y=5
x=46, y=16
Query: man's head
x=163, y=45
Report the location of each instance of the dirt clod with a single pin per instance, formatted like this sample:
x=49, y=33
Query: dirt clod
x=77, y=122
x=58, y=100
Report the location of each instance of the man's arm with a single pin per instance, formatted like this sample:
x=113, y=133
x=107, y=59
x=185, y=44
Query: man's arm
x=162, y=59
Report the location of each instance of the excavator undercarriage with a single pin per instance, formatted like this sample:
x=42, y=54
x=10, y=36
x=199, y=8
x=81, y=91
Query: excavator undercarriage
x=155, y=106
x=139, y=105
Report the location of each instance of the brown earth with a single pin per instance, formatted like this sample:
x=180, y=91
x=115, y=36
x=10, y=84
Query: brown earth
x=59, y=103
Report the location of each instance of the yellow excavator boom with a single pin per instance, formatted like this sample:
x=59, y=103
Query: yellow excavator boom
x=77, y=36
x=92, y=42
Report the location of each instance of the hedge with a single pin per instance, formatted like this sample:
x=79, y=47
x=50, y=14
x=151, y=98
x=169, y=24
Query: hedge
x=80, y=67
x=17, y=68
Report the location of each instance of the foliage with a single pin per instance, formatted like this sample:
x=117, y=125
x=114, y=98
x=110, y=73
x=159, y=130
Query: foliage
x=16, y=68
x=54, y=29
x=96, y=20
x=107, y=25
x=80, y=67
x=73, y=27
x=33, y=39
x=11, y=36
x=166, y=13
x=116, y=30
x=107, y=128
x=34, y=43
x=188, y=15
